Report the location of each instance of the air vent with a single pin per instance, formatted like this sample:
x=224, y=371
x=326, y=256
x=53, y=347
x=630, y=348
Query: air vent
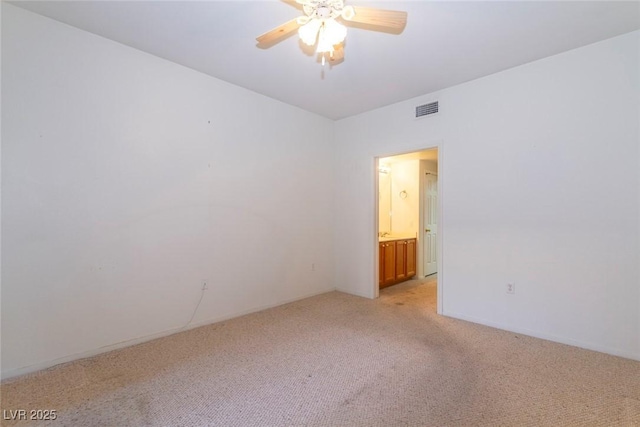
x=426, y=109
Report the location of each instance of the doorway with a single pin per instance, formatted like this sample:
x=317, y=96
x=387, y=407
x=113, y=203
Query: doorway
x=407, y=206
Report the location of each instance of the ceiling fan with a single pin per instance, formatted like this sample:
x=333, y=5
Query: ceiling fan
x=321, y=25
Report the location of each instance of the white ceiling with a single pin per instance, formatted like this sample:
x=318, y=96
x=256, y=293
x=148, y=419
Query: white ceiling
x=444, y=43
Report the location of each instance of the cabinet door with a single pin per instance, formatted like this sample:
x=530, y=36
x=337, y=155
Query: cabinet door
x=401, y=260
x=389, y=263
x=411, y=257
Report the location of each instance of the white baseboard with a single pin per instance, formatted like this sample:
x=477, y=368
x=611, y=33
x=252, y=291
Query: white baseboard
x=127, y=343
x=358, y=294
x=544, y=336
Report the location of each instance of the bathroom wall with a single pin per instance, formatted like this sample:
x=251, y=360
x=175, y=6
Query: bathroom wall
x=405, y=197
x=384, y=202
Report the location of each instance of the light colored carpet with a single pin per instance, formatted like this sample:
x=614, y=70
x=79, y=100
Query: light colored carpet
x=339, y=360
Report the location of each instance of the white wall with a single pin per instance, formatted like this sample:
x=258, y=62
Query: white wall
x=128, y=180
x=406, y=207
x=540, y=174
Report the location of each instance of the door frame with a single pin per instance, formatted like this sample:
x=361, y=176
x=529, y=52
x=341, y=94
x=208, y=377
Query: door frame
x=439, y=145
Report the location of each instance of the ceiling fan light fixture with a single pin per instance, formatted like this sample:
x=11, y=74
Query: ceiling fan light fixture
x=324, y=46
x=318, y=26
x=348, y=12
x=309, y=32
x=333, y=31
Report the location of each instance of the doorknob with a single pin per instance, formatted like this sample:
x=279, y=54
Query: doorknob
x=427, y=230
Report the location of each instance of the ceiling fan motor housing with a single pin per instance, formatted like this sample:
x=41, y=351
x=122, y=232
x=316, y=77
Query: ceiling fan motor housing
x=323, y=9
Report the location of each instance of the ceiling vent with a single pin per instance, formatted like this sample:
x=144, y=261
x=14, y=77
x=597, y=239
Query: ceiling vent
x=427, y=109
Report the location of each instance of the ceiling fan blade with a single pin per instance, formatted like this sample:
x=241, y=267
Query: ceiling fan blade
x=294, y=3
x=272, y=36
x=393, y=19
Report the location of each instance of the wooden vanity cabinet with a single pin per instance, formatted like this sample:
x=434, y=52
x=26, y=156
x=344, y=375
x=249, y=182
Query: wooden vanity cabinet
x=401, y=260
x=410, y=256
x=397, y=261
x=387, y=263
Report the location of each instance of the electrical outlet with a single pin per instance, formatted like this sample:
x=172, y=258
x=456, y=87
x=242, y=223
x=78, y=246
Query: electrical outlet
x=511, y=288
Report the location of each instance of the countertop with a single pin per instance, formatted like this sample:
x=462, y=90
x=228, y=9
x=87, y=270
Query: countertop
x=396, y=237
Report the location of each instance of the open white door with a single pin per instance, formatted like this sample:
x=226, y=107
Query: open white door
x=429, y=242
